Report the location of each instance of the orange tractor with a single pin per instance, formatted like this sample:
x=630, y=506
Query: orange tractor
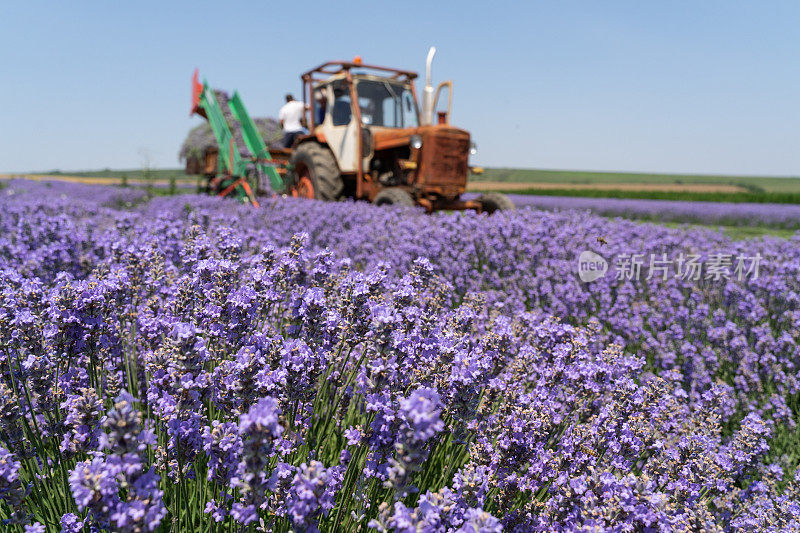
x=368, y=139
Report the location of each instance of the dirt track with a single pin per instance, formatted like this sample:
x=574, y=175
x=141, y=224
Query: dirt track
x=476, y=186
x=94, y=180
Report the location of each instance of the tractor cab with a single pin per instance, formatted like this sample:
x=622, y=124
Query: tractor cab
x=372, y=104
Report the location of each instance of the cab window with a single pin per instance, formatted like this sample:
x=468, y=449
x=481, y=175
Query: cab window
x=387, y=104
x=342, y=110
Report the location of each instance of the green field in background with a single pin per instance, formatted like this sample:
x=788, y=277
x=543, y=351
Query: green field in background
x=687, y=196
x=752, y=183
x=132, y=174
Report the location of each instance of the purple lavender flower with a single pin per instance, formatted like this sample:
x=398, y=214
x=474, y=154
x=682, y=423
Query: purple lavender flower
x=70, y=523
x=420, y=421
x=83, y=417
x=94, y=486
x=222, y=443
x=217, y=512
x=9, y=466
x=420, y=415
x=259, y=428
x=312, y=495
x=479, y=521
x=287, y=369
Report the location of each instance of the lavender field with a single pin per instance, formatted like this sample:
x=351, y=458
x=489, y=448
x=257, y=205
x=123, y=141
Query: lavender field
x=785, y=216
x=190, y=364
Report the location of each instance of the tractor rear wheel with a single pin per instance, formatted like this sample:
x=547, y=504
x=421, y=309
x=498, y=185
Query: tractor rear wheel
x=316, y=174
x=394, y=196
x=495, y=201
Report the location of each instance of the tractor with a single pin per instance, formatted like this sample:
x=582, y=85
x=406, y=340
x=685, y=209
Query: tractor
x=368, y=139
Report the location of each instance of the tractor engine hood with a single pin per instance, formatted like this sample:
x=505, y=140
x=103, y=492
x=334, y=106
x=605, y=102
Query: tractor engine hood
x=439, y=166
x=387, y=138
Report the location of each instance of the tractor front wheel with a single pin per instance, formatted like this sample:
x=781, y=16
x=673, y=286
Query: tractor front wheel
x=495, y=201
x=394, y=196
x=316, y=174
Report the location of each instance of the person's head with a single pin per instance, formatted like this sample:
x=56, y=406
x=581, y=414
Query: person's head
x=289, y=97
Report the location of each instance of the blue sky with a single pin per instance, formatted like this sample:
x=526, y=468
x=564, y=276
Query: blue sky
x=672, y=86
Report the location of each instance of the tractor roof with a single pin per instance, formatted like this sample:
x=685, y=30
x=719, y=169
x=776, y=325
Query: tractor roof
x=332, y=68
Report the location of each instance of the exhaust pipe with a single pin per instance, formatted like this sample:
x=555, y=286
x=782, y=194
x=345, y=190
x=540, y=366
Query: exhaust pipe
x=428, y=92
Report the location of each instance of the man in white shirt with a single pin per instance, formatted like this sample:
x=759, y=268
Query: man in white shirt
x=291, y=117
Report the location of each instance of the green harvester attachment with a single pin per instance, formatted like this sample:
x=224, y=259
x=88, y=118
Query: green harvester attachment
x=236, y=174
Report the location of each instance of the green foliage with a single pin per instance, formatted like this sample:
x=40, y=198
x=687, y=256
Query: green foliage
x=148, y=178
x=136, y=174
x=574, y=177
x=693, y=196
x=737, y=233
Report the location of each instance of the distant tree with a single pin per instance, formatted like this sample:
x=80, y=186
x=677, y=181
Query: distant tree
x=147, y=170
